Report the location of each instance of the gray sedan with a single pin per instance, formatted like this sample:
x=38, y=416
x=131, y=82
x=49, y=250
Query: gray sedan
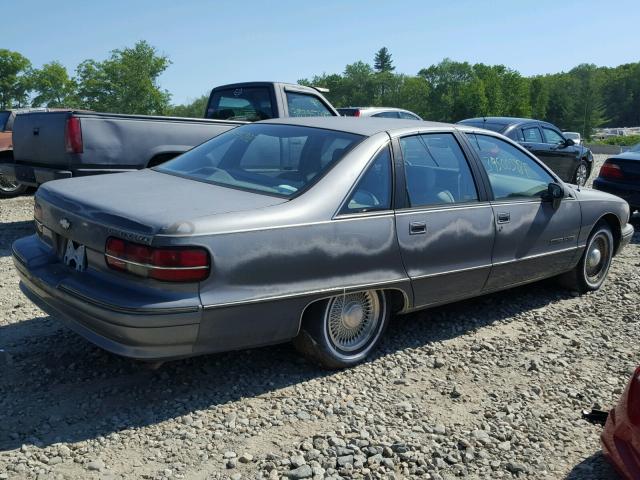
x=315, y=230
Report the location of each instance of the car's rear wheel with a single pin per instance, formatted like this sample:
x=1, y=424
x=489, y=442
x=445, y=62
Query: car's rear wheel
x=581, y=175
x=591, y=271
x=343, y=330
x=10, y=188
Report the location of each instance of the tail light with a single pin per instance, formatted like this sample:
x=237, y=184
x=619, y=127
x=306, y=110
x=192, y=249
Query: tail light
x=633, y=399
x=611, y=170
x=356, y=113
x=177, y=264
x=73, y=135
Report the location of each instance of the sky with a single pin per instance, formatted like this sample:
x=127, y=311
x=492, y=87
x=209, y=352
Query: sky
x=213, y=42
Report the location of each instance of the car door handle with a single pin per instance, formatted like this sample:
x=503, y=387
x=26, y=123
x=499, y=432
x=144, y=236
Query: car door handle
x=528, y=147
x=416, y=228
x=504, y=217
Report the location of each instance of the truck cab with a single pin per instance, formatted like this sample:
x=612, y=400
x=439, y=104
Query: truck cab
x=254, y=101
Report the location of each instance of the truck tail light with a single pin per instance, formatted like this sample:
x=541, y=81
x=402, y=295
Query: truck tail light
x=356, y=113
x=611, y=170
x=177, y=264
x=73, y=135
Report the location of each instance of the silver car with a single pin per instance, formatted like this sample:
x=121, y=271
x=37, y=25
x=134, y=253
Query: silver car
x=378, y=112
x=315, y=230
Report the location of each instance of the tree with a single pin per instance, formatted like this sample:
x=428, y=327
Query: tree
x=53, y=86
x=14, y=79
x=127, y=82
x=382, y=61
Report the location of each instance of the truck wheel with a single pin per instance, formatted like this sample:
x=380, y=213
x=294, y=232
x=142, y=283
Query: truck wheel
x=341, y=331
x=581, y=175
x=11, y=188
x=592, y=269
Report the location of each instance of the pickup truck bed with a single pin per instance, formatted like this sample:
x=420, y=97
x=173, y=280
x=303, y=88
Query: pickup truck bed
x=53, y=145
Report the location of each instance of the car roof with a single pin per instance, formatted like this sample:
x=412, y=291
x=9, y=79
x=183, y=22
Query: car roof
x=504, y=121
x=367, y=126
x=375, y=109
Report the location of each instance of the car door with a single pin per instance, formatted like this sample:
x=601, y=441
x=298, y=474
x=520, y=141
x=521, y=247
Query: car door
x=533, y=239
x=560, y=157
x=444, y=222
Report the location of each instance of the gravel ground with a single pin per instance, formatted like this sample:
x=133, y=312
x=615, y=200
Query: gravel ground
x=487, y=388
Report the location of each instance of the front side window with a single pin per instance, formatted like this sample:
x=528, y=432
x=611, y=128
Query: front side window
x=373, y=191
x=512, y=173
x=551, y=136
x=532, y=134
x=303, y=105
x=247, y=104
x=279, y=160
x=436, y=170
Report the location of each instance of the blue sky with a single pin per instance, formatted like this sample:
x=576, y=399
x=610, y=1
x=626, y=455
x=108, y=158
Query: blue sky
x=216, y=42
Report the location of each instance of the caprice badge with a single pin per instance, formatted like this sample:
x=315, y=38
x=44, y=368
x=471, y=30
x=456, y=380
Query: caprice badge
x=64, y=223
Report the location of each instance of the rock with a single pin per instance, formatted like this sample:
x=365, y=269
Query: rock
x=515, y=467
x=245, y=458
x=96, y=465
x=297, y=461
x=304, y=471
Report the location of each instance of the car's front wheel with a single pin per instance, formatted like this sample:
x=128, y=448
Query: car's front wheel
x=10, y=188
x=342, y=330
x=581, y=175
x=591, y=271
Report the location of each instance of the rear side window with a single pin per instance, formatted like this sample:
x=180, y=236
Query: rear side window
x=374, y=188
x=303, y=105
x=436, y=170
x=532, y=134
x=247, y=104
x=408, y=116
x=516, y=134
x=349, y=112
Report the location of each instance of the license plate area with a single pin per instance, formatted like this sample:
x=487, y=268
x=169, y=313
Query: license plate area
x=75, y=256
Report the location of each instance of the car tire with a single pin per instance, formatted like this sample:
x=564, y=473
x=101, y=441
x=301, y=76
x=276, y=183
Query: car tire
x=591, y=271
x=341, y=331
x=9, y=189
x=581, y=174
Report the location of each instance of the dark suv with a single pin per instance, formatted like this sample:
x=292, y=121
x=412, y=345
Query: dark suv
x=572, y=163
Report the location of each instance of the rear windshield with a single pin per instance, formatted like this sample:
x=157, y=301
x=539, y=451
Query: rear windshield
x=249, y=104
x=280, y=160
x=4, y=116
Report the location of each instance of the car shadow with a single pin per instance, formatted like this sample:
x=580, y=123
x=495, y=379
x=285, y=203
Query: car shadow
x=595, y=467
x=11, y=231
x=60, y=388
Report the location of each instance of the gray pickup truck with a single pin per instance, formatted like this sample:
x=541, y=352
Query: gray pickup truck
x=54, y=145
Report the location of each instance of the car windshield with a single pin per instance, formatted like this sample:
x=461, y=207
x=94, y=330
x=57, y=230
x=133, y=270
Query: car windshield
x=4, y=116
x=571, y=135
x=635, y=148
x=280, y=160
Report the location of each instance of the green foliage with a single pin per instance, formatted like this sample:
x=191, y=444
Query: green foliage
x=124, y=83
x=626, y=140
x=14, y=79
x=195, y=109
x=53, y=86
x=382, y=62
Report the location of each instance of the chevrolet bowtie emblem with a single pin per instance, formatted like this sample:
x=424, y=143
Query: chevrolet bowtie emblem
x=64, y=223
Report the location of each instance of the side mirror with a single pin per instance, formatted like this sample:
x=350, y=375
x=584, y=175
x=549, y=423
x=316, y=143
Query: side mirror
x=554, y=194
x=569, y=143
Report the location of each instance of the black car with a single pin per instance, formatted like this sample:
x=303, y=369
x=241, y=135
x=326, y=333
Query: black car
x=620, y=175
x=571, y=162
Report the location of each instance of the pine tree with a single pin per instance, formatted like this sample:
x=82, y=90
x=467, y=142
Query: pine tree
x=382, y=61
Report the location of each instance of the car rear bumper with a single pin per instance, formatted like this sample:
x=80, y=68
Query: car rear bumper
x=620, y=444
x=149, y=334
x=629, y=192
x=33, y=176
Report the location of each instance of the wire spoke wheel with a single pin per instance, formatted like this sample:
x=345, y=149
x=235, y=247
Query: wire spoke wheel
x=597, y=259
x=352, y=320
